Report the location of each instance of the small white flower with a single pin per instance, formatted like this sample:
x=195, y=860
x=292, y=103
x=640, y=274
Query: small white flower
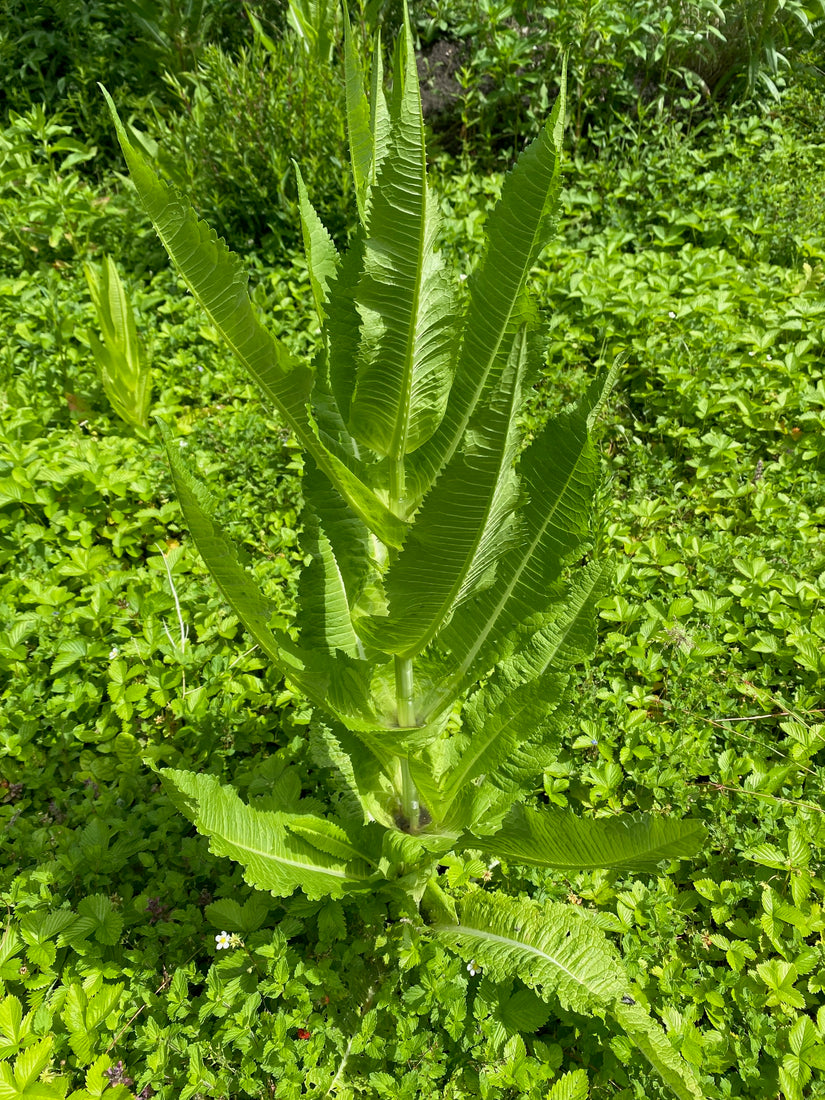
x=462, y=276
x=671, y=313
x=113, y=652
x=472, y=969
x=751, y=353
x=223, y=940
x=769, y=358
x=182, y=443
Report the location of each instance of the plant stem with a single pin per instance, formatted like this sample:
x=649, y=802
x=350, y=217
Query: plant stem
x=406, y=717
x=404, y=688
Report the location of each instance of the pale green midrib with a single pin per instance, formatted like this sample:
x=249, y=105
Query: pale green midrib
x=437, y=618
x=269, y=857
x=356, y=851
x=520, y=945
x=455, y=680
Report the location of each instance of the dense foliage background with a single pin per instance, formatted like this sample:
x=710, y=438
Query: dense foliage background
x=693, y=236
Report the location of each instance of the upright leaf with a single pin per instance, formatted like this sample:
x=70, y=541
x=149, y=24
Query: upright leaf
x=359, y=129
x=403, y=298
x=216, y=279
x=464, y=525
x=558, y=473
x=321, y=253
x=517, y=231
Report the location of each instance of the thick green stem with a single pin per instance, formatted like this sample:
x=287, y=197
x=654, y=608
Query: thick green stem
x=406, y=717
x=404, y=684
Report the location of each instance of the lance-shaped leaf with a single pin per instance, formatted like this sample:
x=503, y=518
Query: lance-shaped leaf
x=551, y=837
x=325, y=620
x=558, y=475
x=332, y=682
x=656, y=1048
x=216, y=279
x=272, y=856
x=517, y=232
x=358, y=116
x=556, y=950
x=464, y=525
x=498, y=721
x=321, y=253
x=403, y=298
x=235, y=584
x=124, y=369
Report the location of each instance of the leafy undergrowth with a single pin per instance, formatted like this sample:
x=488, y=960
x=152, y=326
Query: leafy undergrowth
x=117, y=653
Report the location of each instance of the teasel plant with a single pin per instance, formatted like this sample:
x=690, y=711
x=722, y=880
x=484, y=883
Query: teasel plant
x=450, y=591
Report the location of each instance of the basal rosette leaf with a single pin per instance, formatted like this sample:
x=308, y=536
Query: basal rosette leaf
x=273, y=856
x=552, y=837
x=557, y=951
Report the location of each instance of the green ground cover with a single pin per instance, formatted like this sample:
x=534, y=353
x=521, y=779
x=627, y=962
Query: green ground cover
x=693, y=239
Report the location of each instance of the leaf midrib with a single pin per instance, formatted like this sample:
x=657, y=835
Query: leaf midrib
x=521, y=945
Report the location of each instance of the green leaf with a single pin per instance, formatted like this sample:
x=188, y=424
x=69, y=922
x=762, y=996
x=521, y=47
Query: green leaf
x=358, y=117
x=404, y=300
x=271, y=856
x=321, y=253
x=498, y=721
x=327, y=680
x=570, y=1086
x=517, y=232
x=216, y=279
x=551, y=837
x=555, y=949
x=558, y=475
x=124, y=370
x=552, y=948
x=326, y=620
x=464, y=525
x=653, y=1044
x=30, y=1064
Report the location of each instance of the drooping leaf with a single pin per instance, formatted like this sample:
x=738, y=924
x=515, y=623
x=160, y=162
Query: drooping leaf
x=552, y=948
x=552, y=837
x=654, y=1045
x=556, y=950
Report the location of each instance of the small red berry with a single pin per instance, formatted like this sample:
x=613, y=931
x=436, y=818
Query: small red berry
x=303, y=1033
